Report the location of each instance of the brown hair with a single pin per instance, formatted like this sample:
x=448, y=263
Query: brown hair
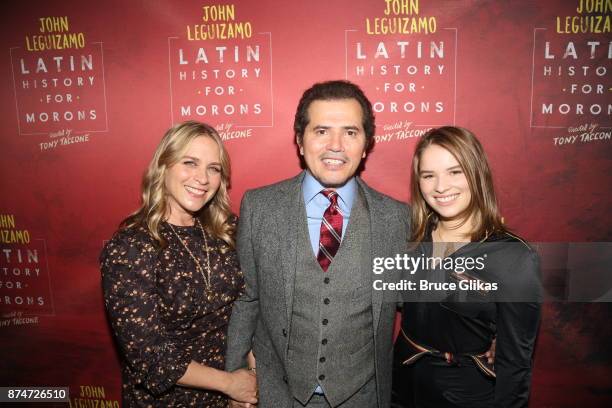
x=215, y=216
x=468, y=151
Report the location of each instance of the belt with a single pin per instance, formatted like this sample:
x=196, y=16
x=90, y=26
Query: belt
x=414, y=351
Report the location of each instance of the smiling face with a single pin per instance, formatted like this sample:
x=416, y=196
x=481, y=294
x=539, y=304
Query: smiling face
x=334, y=141
x=443, y=183
x=192, y=181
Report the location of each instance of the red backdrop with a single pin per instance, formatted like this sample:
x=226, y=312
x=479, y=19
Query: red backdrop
x=89, y=89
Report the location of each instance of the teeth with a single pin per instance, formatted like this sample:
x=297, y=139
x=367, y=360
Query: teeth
x=447, y=198
x=195, y=190
x=332, y=161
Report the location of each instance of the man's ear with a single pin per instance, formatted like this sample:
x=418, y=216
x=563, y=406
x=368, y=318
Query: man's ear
x=297, y=140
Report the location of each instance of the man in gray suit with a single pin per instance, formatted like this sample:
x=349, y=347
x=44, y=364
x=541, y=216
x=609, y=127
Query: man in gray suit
x=320, y=333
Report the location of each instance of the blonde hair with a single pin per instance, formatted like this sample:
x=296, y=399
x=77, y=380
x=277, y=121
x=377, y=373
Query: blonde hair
x=216, y=214
x=468, y=151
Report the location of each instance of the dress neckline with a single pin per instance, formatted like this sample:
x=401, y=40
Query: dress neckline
x=182, y=229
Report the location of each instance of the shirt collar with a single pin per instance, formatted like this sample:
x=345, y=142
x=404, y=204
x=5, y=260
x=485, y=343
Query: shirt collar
x=311, y=187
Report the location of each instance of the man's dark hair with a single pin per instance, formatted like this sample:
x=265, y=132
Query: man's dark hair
x=333, y=90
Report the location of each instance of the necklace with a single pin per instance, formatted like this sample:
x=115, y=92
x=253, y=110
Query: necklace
x=198, y=265
x=448, y=247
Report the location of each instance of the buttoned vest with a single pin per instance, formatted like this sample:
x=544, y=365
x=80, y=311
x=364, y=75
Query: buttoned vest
x=331, y=339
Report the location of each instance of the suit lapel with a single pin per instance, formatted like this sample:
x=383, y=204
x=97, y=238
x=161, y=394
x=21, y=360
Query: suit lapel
x=376, y=215
x=290, y=218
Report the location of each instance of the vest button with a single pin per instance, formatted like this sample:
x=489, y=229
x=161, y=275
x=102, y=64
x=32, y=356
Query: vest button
x=324, y=341
x=326, y=301
x=321, y=377
x=326, y=280
x=284, y=332
x=325, y=321
x=322, y=360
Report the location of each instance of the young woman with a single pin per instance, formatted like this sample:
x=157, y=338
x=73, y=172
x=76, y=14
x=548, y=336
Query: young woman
x=170, y=275
x=440, y=352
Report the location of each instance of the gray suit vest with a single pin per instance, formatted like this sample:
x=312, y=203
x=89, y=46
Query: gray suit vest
x=331, y=339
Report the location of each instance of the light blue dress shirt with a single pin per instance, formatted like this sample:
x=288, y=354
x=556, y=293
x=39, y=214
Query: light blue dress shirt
x=316, y=204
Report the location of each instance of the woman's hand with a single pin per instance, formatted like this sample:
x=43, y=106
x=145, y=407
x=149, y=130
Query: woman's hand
x=242, y=386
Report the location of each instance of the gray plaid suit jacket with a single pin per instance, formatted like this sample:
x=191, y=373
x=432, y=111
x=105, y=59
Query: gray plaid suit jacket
x=261, y=319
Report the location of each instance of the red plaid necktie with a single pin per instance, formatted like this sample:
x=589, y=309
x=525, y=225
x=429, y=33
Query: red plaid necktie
x=331, y=230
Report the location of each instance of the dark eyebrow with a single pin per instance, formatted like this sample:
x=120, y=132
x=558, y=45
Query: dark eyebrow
x=450, y=168
x=349, y=127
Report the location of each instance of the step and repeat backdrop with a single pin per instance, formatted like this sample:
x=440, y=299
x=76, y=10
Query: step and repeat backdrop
x=88, y=89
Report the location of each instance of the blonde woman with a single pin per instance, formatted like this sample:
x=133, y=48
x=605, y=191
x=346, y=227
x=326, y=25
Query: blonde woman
x=482, y=283
x=170, y=275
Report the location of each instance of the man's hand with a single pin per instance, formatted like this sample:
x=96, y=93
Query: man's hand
x=242, y=387
x=491, y=353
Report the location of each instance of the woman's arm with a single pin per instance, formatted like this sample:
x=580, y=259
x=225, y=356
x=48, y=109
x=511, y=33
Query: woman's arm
x=517, y=327
x=153, y=360
x=239, y=385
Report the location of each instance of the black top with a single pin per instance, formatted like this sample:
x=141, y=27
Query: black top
x=464, y=322
x=161, y=316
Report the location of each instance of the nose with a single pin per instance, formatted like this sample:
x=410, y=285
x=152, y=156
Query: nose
x=201, y=176
x=441, y=184
x=335, y=142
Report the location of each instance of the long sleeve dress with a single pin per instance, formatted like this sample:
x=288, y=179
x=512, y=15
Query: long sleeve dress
x=163, y=317
x=439, y=354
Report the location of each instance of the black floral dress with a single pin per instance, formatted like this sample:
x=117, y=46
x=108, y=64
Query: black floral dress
x=162, y=315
